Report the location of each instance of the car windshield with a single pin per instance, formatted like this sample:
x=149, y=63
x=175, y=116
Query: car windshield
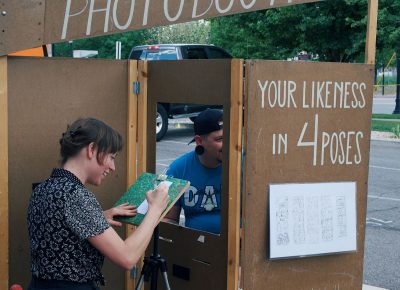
x=164, y=54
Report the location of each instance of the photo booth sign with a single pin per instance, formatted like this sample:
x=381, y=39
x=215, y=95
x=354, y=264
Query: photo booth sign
x=27, y=24
x=309, y=123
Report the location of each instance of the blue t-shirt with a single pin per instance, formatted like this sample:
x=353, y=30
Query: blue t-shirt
x=202, y=200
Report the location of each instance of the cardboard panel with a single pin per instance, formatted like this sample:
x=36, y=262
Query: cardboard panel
x=67, y=19
x=178, y=82
x=21, y=25
x=204, y=255
x=44, y=96
x=282, y=98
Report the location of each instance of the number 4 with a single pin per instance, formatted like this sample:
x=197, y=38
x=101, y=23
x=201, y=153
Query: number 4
x=301, y=143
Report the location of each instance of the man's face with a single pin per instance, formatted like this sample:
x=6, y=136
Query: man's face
x=212, y=144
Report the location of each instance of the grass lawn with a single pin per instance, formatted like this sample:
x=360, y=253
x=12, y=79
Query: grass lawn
x=386, y=116
x=386, y=126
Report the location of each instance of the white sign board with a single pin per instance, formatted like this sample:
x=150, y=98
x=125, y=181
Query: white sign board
x=312, y=219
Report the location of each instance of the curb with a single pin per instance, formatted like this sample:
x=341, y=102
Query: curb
x=383, y=136
x=367, y=287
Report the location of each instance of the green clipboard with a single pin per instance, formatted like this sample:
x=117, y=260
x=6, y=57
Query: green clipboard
x=136, y=195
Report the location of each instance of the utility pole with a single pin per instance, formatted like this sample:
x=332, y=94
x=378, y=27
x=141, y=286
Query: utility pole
x=383, y=79
x=397, y=108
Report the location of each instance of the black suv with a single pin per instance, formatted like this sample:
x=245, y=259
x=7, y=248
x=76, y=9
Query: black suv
x=177, y=52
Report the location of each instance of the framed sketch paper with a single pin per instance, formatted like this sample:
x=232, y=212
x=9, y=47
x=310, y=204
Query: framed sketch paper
x=312, y=219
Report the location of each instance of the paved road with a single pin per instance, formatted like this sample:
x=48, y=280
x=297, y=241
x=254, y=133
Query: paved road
x=382, y=245
x=383, y=105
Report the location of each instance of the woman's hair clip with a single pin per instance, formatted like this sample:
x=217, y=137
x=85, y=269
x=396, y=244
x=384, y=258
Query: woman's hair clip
x=72, y=133
x=75, y=132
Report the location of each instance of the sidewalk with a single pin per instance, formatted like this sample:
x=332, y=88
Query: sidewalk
x=384, y=136
x=386, y=120
x=366, y=287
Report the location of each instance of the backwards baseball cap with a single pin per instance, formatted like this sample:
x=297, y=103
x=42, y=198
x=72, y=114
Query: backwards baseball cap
x=208, y=121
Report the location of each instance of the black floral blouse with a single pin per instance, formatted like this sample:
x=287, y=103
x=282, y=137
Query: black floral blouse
x=62, y=215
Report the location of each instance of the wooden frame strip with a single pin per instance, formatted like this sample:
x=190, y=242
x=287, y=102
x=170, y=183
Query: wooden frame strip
x=141, y=138
x=4, y=253
x=235, y=152
x=136, y=139
x=131, y=147
x=142, y=118
x=243, y=195
x=370, y=44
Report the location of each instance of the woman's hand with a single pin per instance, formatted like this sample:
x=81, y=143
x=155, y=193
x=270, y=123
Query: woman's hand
x=158, y=198
x=122, y=210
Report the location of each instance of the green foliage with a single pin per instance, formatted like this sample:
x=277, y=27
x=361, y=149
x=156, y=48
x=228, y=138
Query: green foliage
x=105, y=45
x=396, y=131
x=388, y=34
x=384, y=126
x=190, y=32
x=334, y=30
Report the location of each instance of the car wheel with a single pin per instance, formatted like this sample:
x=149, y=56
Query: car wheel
x=161, y=122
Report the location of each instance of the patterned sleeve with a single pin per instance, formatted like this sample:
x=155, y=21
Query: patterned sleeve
x=84, y=214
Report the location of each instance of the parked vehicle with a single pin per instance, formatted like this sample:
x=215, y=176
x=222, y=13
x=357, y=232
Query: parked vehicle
x=167, y=111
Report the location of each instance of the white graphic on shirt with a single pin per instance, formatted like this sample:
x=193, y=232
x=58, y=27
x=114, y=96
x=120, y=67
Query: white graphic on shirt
x=209, y=201
x=191, y=196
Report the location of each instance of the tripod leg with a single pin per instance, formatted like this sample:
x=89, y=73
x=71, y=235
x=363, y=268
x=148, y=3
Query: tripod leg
x=144, y=275
x=163, y=269
x=165, y=278
x=140, y=284
x=154, y=276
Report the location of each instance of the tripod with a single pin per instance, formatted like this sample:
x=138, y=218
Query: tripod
x=152, y=264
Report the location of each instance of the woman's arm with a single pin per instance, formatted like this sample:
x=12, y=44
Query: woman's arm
x=127, y=253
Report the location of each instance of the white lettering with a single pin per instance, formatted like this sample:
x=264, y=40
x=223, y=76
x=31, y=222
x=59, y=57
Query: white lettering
x=269, y=94
x=346, y=94
x=363, y=86
x=357, y=157
x=190, y=196
x=248, y=6
x=272, y=2
x=320, y=87
x=327, y=93
x=304, y=95
x=115, y=16
x=291, y=90
x=146, y=12
x=341, y=157
x=178, y=14
x=217, y=6
x=67, y=15
x=334, y=141
x=92, y=10
x=262, y=91
x=348, y=147
x=324, y=143
x=195, y=4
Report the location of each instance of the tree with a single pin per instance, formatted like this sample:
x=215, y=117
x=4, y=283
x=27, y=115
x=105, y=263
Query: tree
x=190, y=32
x=334, y=30
x=105, y=45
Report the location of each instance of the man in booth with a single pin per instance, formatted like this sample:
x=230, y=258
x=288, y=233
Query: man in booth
x=202, y=167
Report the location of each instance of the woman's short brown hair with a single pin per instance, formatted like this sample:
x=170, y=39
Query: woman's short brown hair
x=84, y=131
